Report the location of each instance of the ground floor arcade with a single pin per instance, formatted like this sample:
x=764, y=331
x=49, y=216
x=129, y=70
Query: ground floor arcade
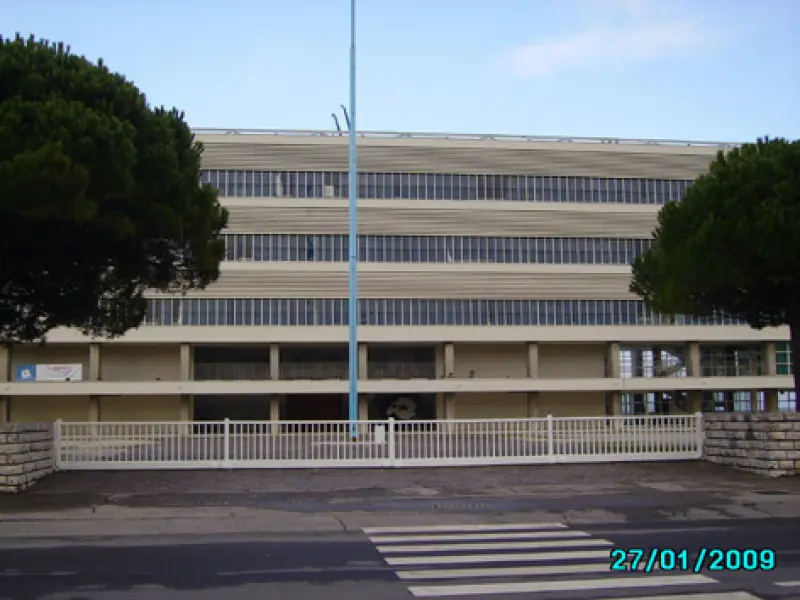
x=110, y=381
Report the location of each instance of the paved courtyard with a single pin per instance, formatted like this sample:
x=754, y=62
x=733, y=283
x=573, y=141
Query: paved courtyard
x=506, y=481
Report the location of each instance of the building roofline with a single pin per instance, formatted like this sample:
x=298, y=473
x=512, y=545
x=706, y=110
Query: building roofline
x=466, y=136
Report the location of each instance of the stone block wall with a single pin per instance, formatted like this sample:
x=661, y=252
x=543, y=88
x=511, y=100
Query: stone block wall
x=763, y=443
x=26, y=455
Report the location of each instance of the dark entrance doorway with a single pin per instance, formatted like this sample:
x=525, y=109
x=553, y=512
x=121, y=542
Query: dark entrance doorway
x=316, y=407
x=235, y=408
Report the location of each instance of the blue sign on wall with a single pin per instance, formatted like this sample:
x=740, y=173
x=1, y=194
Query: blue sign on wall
x=26, y=373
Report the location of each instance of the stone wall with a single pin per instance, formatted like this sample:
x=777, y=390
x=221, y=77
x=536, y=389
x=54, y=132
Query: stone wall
x=26, y=454
x=763, y=443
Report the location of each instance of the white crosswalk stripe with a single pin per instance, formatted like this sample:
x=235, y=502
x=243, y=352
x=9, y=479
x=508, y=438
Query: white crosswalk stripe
x=465, y=528
x=601, y=555
x=493, y=546
x=445, y=537
x=526, y=559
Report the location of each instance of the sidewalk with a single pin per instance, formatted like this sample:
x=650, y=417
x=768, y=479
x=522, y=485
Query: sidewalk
x=92, y=504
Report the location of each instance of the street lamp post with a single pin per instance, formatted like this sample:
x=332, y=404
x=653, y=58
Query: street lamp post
x=353, y=236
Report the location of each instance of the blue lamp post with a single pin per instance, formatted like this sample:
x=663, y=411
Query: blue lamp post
x=353, y=235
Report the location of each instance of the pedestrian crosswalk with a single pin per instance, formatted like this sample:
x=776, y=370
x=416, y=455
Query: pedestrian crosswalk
x=535, y=559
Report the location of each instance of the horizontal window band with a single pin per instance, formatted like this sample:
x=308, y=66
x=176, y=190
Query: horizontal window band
x=445, y=186
x=410, y=312
x=275, y=247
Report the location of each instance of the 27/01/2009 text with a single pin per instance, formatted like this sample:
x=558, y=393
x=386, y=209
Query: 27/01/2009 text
x=648, y=560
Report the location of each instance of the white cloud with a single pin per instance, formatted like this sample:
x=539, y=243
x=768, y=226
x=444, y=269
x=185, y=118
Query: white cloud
x=630, y=8
x=607, y=47
x=645, y=34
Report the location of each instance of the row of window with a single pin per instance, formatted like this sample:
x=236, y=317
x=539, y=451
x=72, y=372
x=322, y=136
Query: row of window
x=441, y=186
x=730, y=360
x=650, y=362
x=715, y=361
x=726, y=360
x=743, y=402
x=334, y=311
x=648, y=404
x=783, y=359
x=433, y=249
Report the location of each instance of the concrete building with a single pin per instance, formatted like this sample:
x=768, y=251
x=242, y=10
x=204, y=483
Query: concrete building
x=493, y=280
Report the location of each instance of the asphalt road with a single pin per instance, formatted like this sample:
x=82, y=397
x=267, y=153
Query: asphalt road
x=525, y=562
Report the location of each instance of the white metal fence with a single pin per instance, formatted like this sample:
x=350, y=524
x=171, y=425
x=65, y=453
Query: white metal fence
x=285, y=444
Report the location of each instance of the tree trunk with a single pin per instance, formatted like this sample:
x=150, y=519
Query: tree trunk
x=794, y=344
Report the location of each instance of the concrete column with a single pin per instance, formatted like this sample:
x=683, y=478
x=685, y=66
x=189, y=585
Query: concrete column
x=363, y=408
x=362, y=362
x=440, y=409
x=186, y=407
x=439, y=352
x=754, y=407
x=186, y=362
x=616, y=404
x=274, y=362
x=185, y=413
x=449, y=359
x=449, y=406
x=5, y=375
x=275, y=408
x=695, y=401
x=770, y=359
x=693, y=359
x=533, y=360
x=275, y=414
x=94, y=375
x=771, y=401
x=363, y=414
x=533, y=405
x=94, y=408
x=449, y=411
x=614, y=367
x=5, y=363
x=95, y=357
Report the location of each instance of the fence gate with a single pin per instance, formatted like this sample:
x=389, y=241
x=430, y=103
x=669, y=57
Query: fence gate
x=316, y=444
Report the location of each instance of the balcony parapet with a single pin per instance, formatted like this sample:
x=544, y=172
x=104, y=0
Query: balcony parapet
x=396, y=386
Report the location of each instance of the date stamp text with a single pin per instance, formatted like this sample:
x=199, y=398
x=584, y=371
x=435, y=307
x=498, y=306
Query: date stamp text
x=649, y=560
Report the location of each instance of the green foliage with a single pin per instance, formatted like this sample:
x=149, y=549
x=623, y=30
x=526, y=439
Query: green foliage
x=99, y=197
x=731, y=245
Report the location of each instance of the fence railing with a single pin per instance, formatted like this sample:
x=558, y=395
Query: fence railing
x=314, y=370
x=401, y=370
x=231, y=371
x=389, y=443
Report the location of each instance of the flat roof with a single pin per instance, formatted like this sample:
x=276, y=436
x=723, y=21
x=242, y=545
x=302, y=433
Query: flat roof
x=565, y=139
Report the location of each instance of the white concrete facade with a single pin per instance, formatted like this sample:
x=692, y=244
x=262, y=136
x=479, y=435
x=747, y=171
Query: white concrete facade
x=519, y=319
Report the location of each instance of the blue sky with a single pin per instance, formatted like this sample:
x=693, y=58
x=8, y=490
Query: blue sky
x=726, y=70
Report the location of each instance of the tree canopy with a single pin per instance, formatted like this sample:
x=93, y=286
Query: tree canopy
x=100, y=197
x=731, y=245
